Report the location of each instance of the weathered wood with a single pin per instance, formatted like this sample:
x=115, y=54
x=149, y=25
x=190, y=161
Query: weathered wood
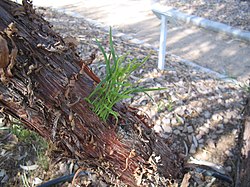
x=46, y=91
x=245, y=153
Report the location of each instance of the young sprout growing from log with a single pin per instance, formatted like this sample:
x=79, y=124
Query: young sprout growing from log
x=115, y=87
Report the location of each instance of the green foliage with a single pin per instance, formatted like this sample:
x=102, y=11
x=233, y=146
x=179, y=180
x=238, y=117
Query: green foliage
x=30, y=137
x=170, y=105
x=27, y=136
x=162, y=105
x=43, y=160
x=115, y=86
x=22, y=134
x=245, y=86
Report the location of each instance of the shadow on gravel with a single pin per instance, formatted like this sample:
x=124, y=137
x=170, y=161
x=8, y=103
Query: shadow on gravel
x=205, y=116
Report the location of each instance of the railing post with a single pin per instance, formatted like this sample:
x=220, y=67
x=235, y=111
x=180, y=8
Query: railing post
x=163, y=39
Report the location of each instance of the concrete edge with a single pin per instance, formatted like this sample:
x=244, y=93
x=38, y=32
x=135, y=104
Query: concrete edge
x=133, y=40
x=206, y=70
x=173, y=13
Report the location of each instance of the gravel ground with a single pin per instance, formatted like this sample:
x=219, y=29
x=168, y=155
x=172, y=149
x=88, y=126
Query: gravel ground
x=198, y=114
x=235, y=13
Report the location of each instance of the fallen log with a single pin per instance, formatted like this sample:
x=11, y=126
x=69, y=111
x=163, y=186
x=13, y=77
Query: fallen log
x=245, y=152
x=44, y=84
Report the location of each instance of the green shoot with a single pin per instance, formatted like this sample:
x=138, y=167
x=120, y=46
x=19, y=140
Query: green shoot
x=115, y=87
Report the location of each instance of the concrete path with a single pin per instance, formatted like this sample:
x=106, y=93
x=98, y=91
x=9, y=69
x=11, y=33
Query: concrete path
x=218, y=52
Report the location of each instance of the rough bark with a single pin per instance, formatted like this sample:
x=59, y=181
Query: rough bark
x=245, y=162
x=43, y=86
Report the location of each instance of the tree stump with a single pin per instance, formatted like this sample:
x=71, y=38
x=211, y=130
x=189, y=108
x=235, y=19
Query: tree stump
x=44, y=83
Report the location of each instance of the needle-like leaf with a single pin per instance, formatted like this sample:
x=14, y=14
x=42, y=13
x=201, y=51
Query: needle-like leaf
x=115, y=87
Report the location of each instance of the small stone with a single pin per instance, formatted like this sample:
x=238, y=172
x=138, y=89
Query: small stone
x=102, y=184
x=177, y=132
x=204, y=129
x=201, y=133
x=190, y=138
x=208, y=122
x=165, y=136
x=221, y=126
x=5, y=179
x=229, y=153
x=128, y=100
x=158, y=85
x=166, y=121
x=192, y=149
x=211, y=143
x=167, y=128
x=76, y=167
x=180, y=128
x=199, y=109
x=219, y=131
x=190, y=129
x=155, y=70
x=180, y=120
x=207, y=125
x=135, y=41
x=198, y=136
x=201, y=145
x=225, y=120
x=144, y=102
x=227, y=105
x=158, y=79
x=201, y=141
x=213, y=128
x=185, y=127
x=63, y=168
x=180, y=111
x=214, y=136
x=2, y=121
x=217, y=117
x=234, y=131
x=195, y=141
x=176, y=79
x=173, y=121
x=231, y=114
x=36, y=181
x=220, y=101
x=200, y=120
x=174, y=145
x=228, y=169
x=158, y=122
x=152, y=113
x=158, y=129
